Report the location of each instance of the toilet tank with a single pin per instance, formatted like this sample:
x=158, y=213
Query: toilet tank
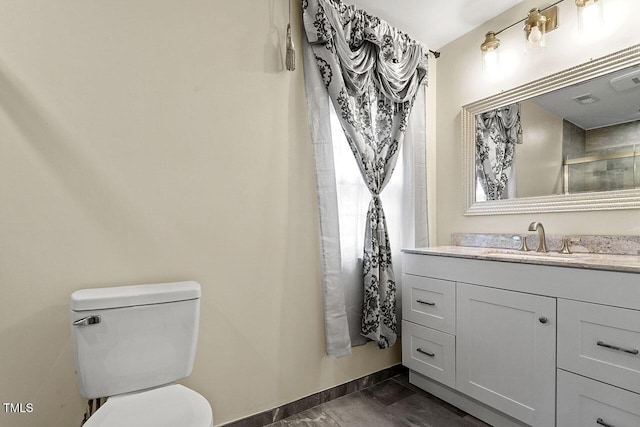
x=130, y=338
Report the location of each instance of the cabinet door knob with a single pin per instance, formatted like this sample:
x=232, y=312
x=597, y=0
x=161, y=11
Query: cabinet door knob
x=543, y=319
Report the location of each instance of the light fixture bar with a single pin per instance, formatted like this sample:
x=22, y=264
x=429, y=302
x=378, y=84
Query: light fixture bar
x=542, y=11
x=537, y=24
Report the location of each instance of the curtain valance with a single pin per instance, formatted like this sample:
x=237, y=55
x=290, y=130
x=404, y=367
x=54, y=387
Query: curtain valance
x=369, y=49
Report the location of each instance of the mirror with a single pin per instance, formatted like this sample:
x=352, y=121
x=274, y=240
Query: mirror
x=567, y=142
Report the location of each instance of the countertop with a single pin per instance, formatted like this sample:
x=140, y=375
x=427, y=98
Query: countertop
x=623, y=263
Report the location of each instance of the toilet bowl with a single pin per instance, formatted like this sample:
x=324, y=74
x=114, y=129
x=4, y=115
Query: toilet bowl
x=131, y=343
x=167, y=406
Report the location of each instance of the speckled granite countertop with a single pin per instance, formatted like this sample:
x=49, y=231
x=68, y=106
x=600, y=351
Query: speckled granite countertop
x=624, y=263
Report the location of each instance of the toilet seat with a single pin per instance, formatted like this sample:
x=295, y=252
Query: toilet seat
x=167, y=406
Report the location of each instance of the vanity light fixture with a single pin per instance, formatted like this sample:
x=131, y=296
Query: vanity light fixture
x=537, y=25
x=490, y=53
x=590, y=15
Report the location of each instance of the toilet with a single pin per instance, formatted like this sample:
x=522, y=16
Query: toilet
x=131, y=343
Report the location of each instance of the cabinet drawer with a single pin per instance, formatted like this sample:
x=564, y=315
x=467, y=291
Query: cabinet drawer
x=429, y=302
x=429, y=352
x=600, y=342
x=585, y=402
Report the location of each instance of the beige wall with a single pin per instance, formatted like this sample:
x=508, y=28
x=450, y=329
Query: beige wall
x=465, y=83
x=154, y=141
x=539, y=157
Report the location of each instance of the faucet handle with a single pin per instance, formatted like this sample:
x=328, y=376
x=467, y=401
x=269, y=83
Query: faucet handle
x=565, y=245
x=523, y=242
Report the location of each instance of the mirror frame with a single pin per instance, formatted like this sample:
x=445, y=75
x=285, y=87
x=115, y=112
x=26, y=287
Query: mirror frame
x=588, y=201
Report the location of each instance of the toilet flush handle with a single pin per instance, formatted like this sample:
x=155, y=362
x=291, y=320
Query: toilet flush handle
x=89, y=320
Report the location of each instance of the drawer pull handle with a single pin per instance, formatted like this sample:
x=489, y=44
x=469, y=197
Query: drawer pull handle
x=603, y=423
x=543, y=320
x=426, y=302
x=425, y=352
x=615, y=347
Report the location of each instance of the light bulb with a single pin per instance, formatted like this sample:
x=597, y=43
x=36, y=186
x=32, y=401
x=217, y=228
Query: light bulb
x=535, y=35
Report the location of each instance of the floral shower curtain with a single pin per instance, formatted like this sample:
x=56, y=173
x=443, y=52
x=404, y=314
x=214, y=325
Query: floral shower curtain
x=372, y=73
x=497, y=133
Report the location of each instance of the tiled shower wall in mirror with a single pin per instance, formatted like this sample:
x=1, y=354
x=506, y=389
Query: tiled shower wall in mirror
x=621, y=141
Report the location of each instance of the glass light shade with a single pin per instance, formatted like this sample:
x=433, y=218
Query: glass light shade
x=590, y=15
x=535, y=30
x=490, y=53
x=490, y=61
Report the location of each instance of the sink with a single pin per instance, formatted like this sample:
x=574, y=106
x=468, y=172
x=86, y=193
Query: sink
x=509, y=253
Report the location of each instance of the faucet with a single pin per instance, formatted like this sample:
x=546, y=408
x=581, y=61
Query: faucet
x=542, y=244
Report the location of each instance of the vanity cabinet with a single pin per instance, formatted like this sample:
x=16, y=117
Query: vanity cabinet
x=518, y=344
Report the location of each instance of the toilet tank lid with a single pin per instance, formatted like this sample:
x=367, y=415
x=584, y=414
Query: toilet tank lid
x=127, y=296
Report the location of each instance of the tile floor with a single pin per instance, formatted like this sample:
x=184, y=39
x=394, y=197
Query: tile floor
x=394, y=402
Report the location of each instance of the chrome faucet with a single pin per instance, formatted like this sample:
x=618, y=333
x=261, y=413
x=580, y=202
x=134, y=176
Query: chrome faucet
x=542, y=245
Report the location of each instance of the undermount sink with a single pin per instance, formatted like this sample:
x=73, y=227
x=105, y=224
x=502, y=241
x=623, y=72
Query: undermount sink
x=510, y=253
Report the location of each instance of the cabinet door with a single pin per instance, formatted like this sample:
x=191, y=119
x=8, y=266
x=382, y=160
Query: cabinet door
x=506, y=347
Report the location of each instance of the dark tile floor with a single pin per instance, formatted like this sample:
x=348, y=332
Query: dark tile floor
x=394, y=402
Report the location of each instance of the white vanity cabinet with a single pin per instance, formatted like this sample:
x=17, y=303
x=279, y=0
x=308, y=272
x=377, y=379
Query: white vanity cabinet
x=503, y=337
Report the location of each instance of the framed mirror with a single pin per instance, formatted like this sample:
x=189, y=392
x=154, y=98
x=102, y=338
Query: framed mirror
x=566, y=142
